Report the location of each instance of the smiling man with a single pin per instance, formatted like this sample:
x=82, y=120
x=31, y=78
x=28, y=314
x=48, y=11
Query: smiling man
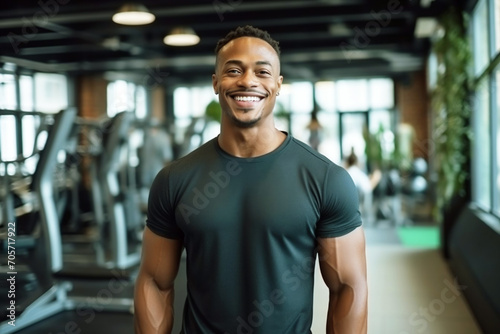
x=254, y=208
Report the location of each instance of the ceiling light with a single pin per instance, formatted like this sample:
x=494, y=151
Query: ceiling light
x=133, y=15
x=181, y=37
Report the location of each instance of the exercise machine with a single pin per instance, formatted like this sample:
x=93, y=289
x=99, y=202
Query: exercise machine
x=55, y=291
x=116, y=216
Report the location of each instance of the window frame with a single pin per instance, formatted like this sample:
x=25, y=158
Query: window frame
x=491, y=73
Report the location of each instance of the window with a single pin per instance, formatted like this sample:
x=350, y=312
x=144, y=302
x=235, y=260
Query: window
x=51, y=92
x=352, y=95
x=22, y=98
x=328, y=119
x=192, y=129
x=325, y=98
x=480, y=37
x=481, y=147
x=120, y=96
x=301, y=106
x=126, y=96
x=343, y=109
x=496, y=24
x=8, y=93
x=381, y=93
x=485, y=33
x=141, y=108
x=8, y=137
x=496, y=145
x=27, y=98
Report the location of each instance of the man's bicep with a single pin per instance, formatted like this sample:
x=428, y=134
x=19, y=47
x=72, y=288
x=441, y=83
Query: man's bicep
x=160, y=258
x=342, y=260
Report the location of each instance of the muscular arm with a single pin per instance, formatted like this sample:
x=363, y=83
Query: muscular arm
x=154, y=289
x=343, y=267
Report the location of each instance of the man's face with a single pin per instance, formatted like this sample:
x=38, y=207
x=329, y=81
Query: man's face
x=247, y=79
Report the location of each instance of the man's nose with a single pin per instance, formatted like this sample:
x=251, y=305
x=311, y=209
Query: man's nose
x=248, y=79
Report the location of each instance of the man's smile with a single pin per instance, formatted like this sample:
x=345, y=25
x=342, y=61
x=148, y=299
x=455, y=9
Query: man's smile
x=247, y=98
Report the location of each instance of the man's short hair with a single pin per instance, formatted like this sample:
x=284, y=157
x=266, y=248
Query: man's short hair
x=248, y=31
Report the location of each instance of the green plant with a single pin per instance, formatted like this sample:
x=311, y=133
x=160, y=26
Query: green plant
x=213, y=111
x=451, y=109
x=373, y=148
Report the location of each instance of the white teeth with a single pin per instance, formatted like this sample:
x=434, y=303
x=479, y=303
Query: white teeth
x=247, y=98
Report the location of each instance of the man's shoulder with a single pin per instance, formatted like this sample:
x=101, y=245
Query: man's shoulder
x=309, y=155
x=198, y=155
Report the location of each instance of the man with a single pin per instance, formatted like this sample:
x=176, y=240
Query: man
x=253, y=208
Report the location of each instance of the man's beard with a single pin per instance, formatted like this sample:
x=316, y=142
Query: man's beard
x=245, y=124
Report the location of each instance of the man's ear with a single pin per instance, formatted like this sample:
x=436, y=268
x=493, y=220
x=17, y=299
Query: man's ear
x=280, y=81
x=215, y=84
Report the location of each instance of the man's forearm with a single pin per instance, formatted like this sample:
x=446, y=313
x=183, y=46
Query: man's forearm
x=153, y=308
x=347, y=311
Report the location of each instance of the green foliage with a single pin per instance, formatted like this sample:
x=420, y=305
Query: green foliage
x=280, y=111
x=373, y=148
x=451, y=109
x=213, y=111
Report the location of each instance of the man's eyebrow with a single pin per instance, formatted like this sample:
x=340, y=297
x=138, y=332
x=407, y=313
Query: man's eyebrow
x=240, y=63
x=264, y=62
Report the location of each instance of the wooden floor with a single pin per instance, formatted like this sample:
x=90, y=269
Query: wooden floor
x=411, y=290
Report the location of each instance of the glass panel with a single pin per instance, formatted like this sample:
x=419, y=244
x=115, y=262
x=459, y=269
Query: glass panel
x=480, y=37
x=482, y=160
x=26, y=92
x=432, y=70
x=352, y=95
x=381, y=93
x=283, y=100
x=497, y=25
x=141, y=109
x=300, y=124
x=301, y=97
x=190, y=104
x=325, y=95
x=378, y=119
x=121, y=97
x=496, y=205
x=353, y=126
x=8, y=92
x=181, y=102
x=8, y=141
x=29, y=131
x=113, y=103
x=51, y=92
x=329, y=136
x=200, y=98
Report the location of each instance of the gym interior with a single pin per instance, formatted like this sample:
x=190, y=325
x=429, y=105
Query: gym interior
x=91, y=108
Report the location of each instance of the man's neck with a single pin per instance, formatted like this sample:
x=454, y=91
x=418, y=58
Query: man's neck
x=252, y=142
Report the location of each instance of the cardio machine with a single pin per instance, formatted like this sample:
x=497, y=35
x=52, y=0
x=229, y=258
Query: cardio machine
x=54, y=294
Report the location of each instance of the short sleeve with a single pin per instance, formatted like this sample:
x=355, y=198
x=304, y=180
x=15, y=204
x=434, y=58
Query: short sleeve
x=340, y=205
x=161, y=213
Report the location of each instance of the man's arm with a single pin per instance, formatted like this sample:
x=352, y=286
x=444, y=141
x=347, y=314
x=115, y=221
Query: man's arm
x=154, y=288
x=342, y=261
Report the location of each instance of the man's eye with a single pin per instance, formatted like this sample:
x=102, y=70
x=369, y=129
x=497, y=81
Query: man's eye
x=233, y=71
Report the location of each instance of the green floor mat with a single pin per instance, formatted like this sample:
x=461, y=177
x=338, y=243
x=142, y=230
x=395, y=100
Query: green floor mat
x=419, y=236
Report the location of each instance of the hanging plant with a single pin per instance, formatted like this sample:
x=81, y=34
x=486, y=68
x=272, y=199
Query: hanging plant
x=451, y=109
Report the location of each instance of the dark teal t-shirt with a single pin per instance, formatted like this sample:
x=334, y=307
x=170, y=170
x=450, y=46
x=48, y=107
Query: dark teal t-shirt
x=249, y=227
